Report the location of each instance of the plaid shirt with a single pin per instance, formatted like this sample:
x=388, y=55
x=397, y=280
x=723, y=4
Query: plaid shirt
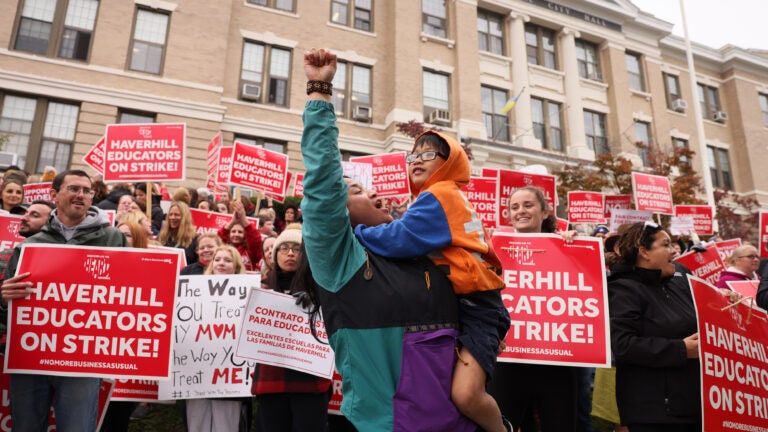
x=273, y=379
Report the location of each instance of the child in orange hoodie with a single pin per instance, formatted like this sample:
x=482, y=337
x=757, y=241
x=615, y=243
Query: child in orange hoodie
x=443, y=224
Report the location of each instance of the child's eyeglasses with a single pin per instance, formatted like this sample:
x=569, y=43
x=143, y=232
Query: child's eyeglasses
x=425, y=156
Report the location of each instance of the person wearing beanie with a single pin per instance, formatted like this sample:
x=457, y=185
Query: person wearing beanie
x=289, y=400
x=600, y=231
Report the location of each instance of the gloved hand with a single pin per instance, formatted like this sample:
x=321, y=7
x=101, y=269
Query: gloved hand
x=302, y=299
x=699, y=247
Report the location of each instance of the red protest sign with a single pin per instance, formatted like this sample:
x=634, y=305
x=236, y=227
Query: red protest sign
x=490, y=172
x=282, y=196
x=222, y=172
x=135, y=390
x=9, y=231
x=390, y=173
x=705, y=265
x=95, y=157
x=652, y=193
x=586, y=207
x=212, y=161
x=144, y=152
x=258, y=168
x=763, y=236
x=99, y=312
x=732, y=340
x=481, y=192
x=747, y=288
x=702, y=217
x=725, y=248
x=37, y=191
x=207, y=221
x=510, y=181
x=334, y=403
x=298, y=186
x=617, y=202
x=557, y=297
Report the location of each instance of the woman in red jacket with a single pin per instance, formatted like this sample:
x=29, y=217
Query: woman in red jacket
x=243, y=236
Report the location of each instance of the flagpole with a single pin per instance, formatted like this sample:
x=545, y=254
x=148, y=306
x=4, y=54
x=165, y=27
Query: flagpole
x=705, y=174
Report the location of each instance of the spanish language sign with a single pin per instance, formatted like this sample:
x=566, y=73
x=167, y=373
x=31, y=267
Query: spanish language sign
x=258, y=168
x=509, y=181
x=144, y=152
x=276, y=332
x=212, y=161
x=652, y=193
x=99, y=312
x=733, y=355
x=209, y=314
x=9, y=231
x=389, y=173
x=617, y=202
x=702, y=215
x=586, y=207
x=705, y=265
x=557, y=297
x=481, y=192
x=37, y=191
x=95, y=157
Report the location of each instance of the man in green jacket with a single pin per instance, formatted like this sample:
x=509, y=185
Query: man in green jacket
x=73, y=222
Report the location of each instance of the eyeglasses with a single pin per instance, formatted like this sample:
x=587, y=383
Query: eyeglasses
x=425, y=156
x=284, y=248
x=752, y=257
x=75, y=190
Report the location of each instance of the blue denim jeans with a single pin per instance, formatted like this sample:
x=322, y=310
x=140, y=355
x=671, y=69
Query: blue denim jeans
x=75, y=402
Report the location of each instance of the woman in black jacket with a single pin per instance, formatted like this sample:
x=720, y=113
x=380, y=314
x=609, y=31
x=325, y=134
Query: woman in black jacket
x=653, y=335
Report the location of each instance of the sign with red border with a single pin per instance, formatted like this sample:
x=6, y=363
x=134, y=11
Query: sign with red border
x=703, y=217
x=257, y=168
x=510, y=181
x=389, y=172
x=586, y=207
x=37, y=191
x=144, y=152
x=705, y=265
x=212, y=161
x=652, y=193
x=616, y=202
x=481, y=192
x=95, y=157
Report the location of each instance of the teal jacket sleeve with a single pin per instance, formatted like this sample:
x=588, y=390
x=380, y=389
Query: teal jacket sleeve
x=334, y=253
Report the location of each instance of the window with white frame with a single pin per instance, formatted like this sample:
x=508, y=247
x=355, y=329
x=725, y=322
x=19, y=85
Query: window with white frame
x=490, y=32
x=680, y=143
x=547, y=124
x=672, y=89
x=596, y=135
x=540, y=46
x=352, y=13
x=150, y=35
x=434, y=18
x=496, y=123
x=265, y=74
x=41, y=132
x=588, y=60
x=62, y=28
x=352, y=90
x=635, y=71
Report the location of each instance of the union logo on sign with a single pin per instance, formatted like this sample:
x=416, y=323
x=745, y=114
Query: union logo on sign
x=13, y=227
x=527, y=180
x=521, y=252
x=378, y=161
x=145, y=131
x=699, y=258
x=98, y=266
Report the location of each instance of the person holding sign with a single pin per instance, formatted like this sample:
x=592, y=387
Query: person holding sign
x=653, y=335
x=442, y=223
x=178, y=230
x=742, y=266
x=75, y=399
x=392, y=323
x=289, y=400
x=522, y=388
x=239, y=233
x=213, y=415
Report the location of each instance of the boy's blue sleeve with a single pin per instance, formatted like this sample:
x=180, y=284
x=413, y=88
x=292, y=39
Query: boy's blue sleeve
x=423, y=228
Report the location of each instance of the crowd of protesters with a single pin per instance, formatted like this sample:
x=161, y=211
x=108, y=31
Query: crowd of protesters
x=396, y=344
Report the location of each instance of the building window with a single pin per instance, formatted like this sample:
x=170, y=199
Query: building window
x=672, y=88
x=588, y=60
x=540, y=46
x=149, y=38
x=40, y=131
x=496, y=124
x=680, y=143
x=764, y=107
x=635, y=72
x=709, y=99
x=57, y=27
x=352, y=13
x=719, y=167
x=597, y=137
x=352, y=89
x=283, y=5
x=433, y=18
x=643, y=140
x=435, y=92
x=125, y=117
x=490, y=32
x=272, y=145
x=265, y=74
x=547, y=124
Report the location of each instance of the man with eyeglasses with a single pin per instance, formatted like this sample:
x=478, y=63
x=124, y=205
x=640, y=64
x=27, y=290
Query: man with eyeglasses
x=75, y=222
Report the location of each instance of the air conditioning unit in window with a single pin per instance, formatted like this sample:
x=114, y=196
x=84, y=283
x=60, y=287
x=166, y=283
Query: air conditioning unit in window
x=362, y=113
x=7, y=159
x=720, y=116
x=251, y=92
x=440, y=117
x=679, y=105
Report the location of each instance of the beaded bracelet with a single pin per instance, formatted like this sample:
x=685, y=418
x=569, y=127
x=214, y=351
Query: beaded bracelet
x=323, y=87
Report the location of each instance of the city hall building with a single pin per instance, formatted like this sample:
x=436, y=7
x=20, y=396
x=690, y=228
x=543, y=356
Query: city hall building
x=592, y=76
